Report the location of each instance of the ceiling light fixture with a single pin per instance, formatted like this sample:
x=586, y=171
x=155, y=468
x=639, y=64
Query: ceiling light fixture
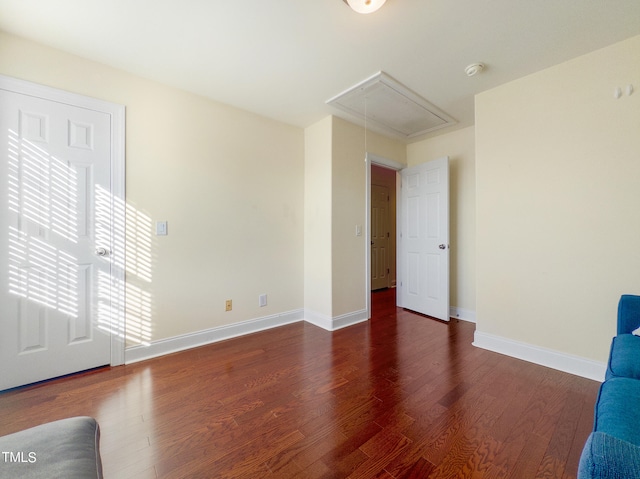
x=365, y=6
x=474, y=69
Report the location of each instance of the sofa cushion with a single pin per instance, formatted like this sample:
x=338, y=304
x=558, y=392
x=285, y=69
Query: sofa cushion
x=607, y=457
x=616, y=411
x=628, y=313
x=67, y=449
x=624, y=358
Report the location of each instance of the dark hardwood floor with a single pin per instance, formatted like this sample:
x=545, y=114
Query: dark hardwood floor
x=401, y=396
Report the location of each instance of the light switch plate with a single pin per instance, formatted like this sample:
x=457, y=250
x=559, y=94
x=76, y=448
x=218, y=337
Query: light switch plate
x=161, y=228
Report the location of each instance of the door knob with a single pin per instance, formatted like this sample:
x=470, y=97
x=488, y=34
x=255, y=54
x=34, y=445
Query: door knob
x=442, y=246
x=102, y=252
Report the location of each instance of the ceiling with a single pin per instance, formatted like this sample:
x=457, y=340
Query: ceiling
x=285, y=58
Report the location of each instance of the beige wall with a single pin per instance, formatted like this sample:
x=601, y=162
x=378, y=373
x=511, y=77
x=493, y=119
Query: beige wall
x=459, y=146
x=230, y=184
x=349, y=209
x=558, y=236
x=335, y=189
x=317, y=218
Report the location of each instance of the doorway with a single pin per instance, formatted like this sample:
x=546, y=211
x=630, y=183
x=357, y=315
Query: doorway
x=383, y=228
x=383, y=172
x=422, y=248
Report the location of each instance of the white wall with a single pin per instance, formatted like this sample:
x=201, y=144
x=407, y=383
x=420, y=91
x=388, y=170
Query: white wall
x=230, y=184
x=558, y=236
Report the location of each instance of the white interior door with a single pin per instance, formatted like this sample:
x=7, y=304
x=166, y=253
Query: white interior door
x=379, y=237
x=55, y=238
x=423, y=239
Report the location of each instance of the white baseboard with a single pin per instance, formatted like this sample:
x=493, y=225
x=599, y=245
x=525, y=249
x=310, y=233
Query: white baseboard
x=462, y=314
x=577, y=365
x=208, y=336
x=318, y=319
x=337, y=322
x=213, y=335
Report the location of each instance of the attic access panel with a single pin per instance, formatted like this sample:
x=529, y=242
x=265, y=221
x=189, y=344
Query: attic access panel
x=390, y=107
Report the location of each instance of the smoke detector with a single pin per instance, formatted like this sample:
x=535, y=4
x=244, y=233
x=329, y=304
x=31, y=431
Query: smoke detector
x=474, y=69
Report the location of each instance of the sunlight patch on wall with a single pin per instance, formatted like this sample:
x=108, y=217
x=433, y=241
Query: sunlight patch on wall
x=138, y=259
x=132, y=253
x=138, y=313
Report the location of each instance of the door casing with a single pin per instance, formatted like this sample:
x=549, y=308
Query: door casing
x=371, y=159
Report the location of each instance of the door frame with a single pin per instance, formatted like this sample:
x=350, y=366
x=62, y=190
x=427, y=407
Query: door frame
x=371, y=159
x=117, y=143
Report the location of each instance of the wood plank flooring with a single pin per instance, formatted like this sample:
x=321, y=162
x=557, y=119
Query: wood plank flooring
x=400, y=396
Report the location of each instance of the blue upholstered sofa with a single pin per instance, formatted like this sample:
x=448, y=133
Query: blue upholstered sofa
x=612, y=450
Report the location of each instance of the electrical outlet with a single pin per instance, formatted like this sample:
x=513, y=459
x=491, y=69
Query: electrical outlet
x=262, y=300
x=228, y=305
